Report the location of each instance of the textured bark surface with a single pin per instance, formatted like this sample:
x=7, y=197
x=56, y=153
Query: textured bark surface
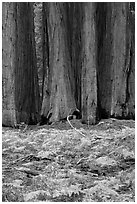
x=131, y=73
x=121, y=65
x=115, y=24
x=87, y=53
x=74, y=24
x=89, y=57
x=58, y=98
x=20, y=90
x=27, y=95
x=8, y=64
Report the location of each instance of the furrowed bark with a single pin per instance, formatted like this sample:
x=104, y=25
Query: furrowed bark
x=21, y=92
x=115, y=25
x=8, y=64
x=89, y=57
x=59, y=101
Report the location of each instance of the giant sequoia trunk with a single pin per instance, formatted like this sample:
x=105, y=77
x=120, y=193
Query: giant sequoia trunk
x=82, y=47
x=58, y=97
x=116, y=60
x=91, y=55
x=89, y=58
x=122, y=50
x=74, y=24
x=20, y=82
x=8, y=63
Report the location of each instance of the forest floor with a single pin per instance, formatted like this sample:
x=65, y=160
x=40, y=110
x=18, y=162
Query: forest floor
x=57, y=164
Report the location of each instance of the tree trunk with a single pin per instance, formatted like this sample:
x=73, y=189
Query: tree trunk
x=27, y=91
x=115, y=60
x=88, y=61
x=59, y=99
x=38, y=29
x=121, y=66
x=131, y=74
x=89, y=57
x=45, y=47
x=19, y=65
x=74, y=13
x=8, y=63
x=46, y=80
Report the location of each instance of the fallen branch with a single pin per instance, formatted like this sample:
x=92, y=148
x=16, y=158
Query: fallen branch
x=73, y=126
